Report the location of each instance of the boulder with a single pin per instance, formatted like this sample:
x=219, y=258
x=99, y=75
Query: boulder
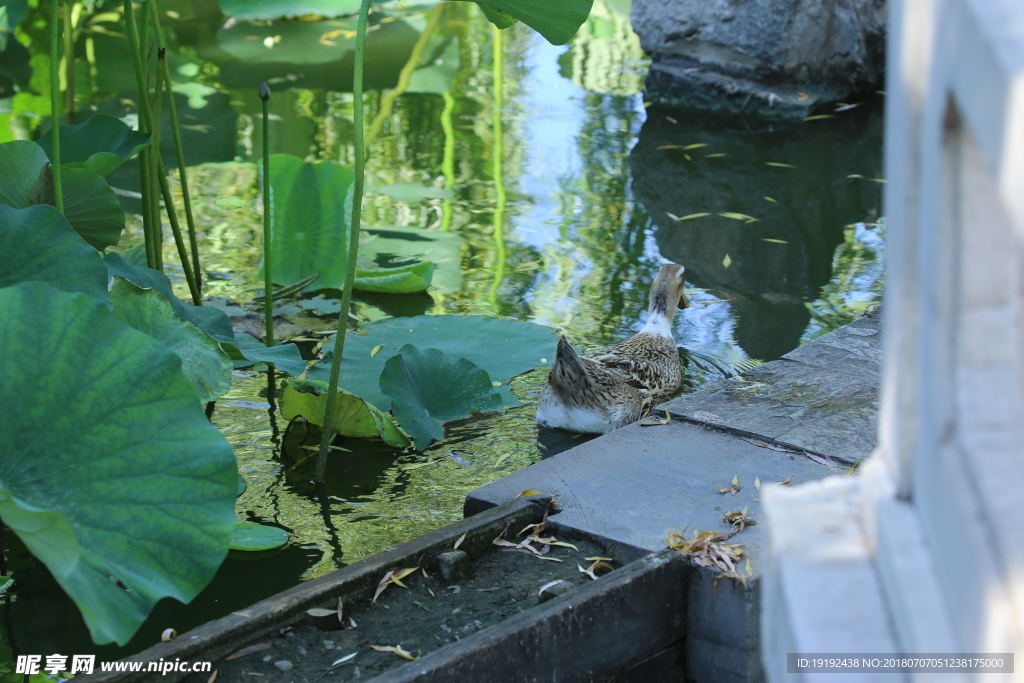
x=777, y=59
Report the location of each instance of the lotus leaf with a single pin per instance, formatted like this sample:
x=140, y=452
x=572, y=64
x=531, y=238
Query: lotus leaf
x=556, y=21
x=90, y=206
x=251, y=537
x=402, y=280
x=388, y=246
x=109, y=471
x=101, y=143
x=205, y=365
x=355, y=417
x=429, y=388
x=504, y=348
x=48, y=251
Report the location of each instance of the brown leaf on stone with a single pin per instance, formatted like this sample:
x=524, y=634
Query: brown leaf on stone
x=734, y=489
x=397, y=649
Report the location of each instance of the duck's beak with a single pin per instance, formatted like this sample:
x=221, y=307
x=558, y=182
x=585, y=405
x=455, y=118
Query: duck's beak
x=683, y=301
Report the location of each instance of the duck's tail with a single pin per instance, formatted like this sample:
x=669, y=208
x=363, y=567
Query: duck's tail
x=568, y=373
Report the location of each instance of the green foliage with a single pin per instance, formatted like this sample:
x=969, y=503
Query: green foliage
x=212, y=321
x=253, y=537
x=203, y=362
x=109, y=471
x=311, y=207
x=504, y=348
x=354, y=416
x=401, y=280
x=429, y=388
x=101, y=143
x=48, y=250
x=391, y=245
x=265, y=10
x=90, y=206
x=556, y=21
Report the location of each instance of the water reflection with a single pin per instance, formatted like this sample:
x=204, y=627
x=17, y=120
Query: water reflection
x=562, y=188
x=802, y=185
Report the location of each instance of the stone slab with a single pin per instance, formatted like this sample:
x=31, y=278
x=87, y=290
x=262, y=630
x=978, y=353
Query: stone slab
x=637, y=484
x=821, y=397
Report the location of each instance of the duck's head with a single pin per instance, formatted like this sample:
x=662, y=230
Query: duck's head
x=667, y=290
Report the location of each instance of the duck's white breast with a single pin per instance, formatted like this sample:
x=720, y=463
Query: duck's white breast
x=553, y=413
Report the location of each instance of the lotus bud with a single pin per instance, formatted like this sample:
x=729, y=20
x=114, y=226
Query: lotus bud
x=264, y=91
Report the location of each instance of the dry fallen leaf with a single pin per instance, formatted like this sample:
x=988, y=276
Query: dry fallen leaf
x=457, y=544
x=376, y=350
x=528, y=492
x=757, y=483
x=597, y=564
x=397, y=649
x=709, y=549
x=727, y=261
x=344, y=659
x=394, y=576
x=213, y=676
x=739, y=519
x=431, y=593
x=786, y=481
x=548, y=585
x=320, y=612
x=734, y=489
x=169, y=634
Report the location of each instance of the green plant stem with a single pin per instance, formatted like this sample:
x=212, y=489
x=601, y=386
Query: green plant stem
x=69, y=61
x=268, y=278
x=179, y=151
x=146, y=126
x=156, y=175
x=58, y=192
x=498, y=152
x=353, y=242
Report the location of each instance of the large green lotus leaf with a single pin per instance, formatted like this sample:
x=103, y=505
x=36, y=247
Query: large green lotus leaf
x=48, y=250
x=500, y=19
x=294, y=43
x=354, y=416
x=264, y=10
x=205, y=365
x=401, y=280
x=284, y=357
x=428, y=388
x=90, y=206
x=310, y=204
x=101, y=143
x=389, y=246
x=211, y=320
x=504, y=348
x=556, y=21
x=109, y=471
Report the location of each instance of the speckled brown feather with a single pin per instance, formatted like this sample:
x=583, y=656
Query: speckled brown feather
x=620, y=384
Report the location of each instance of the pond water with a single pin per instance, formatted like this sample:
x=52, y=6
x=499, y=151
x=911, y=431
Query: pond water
x=569, y=192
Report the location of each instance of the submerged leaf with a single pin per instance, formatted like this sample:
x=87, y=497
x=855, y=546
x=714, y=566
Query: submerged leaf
x=353, y=415
x=253, y=537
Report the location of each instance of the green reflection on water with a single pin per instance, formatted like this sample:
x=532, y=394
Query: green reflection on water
x=561, y=196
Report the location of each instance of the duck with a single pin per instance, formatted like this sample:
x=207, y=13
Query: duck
x=602, y=391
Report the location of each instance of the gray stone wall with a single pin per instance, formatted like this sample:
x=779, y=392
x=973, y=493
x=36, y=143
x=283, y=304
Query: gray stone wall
x=773, y=58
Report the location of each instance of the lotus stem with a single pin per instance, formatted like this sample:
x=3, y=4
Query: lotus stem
x=268, y=277
x=179, y=151
x=156, y=168
x=172, y=217
x=145, y=125
x=69, y=61
x=58, y=192
x=448, y=160
x=498, y=152
x=353, y=241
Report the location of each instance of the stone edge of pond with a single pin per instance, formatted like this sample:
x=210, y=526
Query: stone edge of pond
x=219, y=638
